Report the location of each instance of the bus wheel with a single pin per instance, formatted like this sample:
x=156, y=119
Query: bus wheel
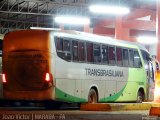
x=139, y=97
x=92, y=96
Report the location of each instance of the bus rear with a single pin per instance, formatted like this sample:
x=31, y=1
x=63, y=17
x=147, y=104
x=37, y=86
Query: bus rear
x=26, y=61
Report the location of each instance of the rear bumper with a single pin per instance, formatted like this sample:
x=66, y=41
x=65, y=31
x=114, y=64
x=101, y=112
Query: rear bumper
x=48, y=94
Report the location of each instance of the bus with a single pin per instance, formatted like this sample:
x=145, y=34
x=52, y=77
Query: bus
x=71, y=66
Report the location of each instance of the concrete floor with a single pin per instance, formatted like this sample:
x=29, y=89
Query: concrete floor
x=121, y=111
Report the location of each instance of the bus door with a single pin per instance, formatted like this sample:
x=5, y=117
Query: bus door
x=151, y=81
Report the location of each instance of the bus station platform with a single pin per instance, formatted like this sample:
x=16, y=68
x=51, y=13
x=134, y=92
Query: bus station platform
x=118, y=106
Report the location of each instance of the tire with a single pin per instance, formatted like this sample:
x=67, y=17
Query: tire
x=92, y=96
x=140, y=97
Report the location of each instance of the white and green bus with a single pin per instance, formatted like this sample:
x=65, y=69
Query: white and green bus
x=71, y=66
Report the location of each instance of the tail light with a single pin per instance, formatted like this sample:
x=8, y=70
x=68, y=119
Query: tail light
x=4, y=78
x=48, y=77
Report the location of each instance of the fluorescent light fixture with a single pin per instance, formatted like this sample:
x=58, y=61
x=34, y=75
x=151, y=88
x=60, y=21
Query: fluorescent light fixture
x=147, y=39
x=41, y=28
x=72, y=20
x=116, y=10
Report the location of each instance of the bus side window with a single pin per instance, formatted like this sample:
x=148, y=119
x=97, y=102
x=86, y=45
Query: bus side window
x=75, y=50
x=131, y=58
x=125, y=57
x=119, y=56
x=105, y=54
x=63, y=48
x=67, y=49
x=81, y=51
x=97, y=53
x=112, y=55
x=59, y=44
x=137, y=60
x=89, y=52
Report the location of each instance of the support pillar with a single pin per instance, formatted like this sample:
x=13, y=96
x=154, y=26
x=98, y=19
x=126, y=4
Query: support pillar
x=120, y=32
x=118, y=28
x=86, y=28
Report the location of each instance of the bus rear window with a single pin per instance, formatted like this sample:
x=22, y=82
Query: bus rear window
x=25, y=40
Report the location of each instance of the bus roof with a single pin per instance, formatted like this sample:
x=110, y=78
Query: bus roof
x=89, y=37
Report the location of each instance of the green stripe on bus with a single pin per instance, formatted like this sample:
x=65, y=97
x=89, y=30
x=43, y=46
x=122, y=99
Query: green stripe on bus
x=61, y=95
x=112, y=98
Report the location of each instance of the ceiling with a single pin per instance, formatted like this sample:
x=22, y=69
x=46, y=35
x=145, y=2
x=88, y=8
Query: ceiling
x=23, y=14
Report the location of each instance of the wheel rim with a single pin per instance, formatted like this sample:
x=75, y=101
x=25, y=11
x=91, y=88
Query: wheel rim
x=92, y=98
x=139, y=97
